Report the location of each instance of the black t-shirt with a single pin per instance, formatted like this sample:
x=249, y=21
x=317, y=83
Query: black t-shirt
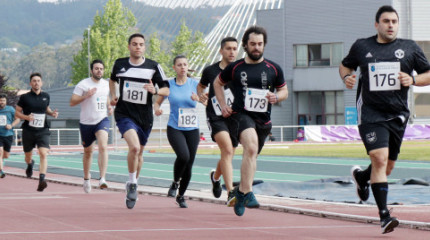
x=36, y=104
x=208, y=77
x=378, y=104
x=131, y=78
x=247, y=77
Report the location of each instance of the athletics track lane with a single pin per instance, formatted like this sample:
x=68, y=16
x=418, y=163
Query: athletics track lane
x=66, y=212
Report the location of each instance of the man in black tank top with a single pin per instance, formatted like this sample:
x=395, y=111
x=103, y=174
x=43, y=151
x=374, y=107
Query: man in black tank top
x=216, y=123
x=386, y=65
x=254, y=80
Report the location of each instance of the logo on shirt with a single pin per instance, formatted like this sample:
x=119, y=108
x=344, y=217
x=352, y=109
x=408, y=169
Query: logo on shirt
x=264, y=80
x=122, y=70
x=399, y=53
x=371, y=137
x=44, y=99
x=369, y=55
x=244, y=78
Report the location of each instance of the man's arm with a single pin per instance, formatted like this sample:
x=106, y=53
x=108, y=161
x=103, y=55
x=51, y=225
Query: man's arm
x=52, y=113
x=220, y=96
x=112, y=89
x=347, y=76
x=422, y=79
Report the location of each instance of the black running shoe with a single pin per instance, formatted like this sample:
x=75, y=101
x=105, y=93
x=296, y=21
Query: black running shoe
x=180, y=200
x=29, y=170
x=216, y=185
x=361, y=189
x=231, y=199
x=131, y=195
x=2, y=174
x=172, y=190
x=388, y=224
x=42, y=186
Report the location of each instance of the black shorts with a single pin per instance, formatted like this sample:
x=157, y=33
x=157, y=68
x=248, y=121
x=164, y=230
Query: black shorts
x=39, y=138
x=216, y=126
x=6, y=142
x=383, y=134
x=238, y=122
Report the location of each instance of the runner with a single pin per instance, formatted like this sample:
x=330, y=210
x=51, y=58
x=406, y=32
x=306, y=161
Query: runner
x=182, y=128
x=254, y=80
x=7, y=122
x=216, y=123
x=33, y=108
x=386, y=65
x=133, y=113
x=93, y=95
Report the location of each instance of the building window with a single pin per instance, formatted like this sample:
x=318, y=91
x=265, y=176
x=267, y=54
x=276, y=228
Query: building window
x=321, y=108
x=316, y=55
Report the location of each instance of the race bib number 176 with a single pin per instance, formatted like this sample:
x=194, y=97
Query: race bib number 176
x=383, y=76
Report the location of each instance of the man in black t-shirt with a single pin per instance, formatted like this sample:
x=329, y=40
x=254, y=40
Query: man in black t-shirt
x=33, y=108
x=136, y=76
x=254, y=80
x=216, y=122
x=386, y=65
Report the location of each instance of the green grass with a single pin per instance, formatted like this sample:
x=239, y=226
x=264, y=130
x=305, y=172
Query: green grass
x=411, y=150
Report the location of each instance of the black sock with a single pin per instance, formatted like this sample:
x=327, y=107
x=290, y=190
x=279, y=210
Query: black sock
x=41, y=177
x=86, y=179
x=380, y=192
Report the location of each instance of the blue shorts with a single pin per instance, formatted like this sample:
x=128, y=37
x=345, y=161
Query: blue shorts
x=88, y=132
x=125, y=124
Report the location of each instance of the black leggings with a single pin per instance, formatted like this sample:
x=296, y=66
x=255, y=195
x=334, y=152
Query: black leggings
x=185, y=144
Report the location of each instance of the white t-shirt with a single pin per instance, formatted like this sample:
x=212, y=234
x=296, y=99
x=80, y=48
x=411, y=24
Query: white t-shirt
x=93, y=109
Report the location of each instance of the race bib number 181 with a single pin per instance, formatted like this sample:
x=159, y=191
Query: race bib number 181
x=383, y=76
x=134, y=92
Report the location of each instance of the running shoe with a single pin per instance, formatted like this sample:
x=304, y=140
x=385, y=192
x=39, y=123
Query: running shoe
x=172, y=189
x=388, y=224
x=216, y=185
x=231, y=199
x=131, y=197
x=102, y=184
x=87, y=186
x=180, y=200
x=251, y=201
x=2, y=174
x=29, y=170
x=42, y=185
x=362, y=189
x=239, y=206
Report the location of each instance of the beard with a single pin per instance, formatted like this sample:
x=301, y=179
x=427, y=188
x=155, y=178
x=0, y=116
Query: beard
x=254, y=56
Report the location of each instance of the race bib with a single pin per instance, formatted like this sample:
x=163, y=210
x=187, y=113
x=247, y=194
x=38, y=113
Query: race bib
x=229, y=98
x=255, y=100
x=38, y=121
x=3, y=120
x=187, y=117
x=101, y=104
x=383, y=76
x=134, y=92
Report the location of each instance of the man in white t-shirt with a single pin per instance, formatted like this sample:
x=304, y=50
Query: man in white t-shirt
x=93, y=95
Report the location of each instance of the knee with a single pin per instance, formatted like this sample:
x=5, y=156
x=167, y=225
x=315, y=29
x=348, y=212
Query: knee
x=102, y=148
x=379, y=160
x=134, y=149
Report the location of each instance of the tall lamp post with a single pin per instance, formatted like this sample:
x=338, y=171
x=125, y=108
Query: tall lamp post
x=89, y=67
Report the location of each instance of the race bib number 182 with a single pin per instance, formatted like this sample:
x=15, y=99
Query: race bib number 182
x=383, y=76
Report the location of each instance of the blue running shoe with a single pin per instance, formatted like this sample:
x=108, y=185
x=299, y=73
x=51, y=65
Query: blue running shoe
x=2, y=174
x=251, y=201
x=131, y=197
x=239, y=206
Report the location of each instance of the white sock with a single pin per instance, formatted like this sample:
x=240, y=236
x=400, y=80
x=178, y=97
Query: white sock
x=215, y=180
x=102, y=179
x=132, y=177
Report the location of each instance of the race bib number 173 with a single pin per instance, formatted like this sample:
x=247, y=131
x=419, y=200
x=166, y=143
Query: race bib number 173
x=255, y=100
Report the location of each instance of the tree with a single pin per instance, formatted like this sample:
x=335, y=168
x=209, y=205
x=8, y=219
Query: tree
x=108, y=39
x=11, y=93
x=192, y=46
x=154, y=51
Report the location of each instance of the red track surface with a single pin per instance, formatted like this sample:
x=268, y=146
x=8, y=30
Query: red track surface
x=66, y=212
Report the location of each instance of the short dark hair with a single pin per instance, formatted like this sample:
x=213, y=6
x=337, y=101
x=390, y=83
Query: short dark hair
x=256, y=30
x=3, y=95
x=135, y=35
x=383, y=9
x=178, y=57
x=35, y=74
x=227, y=39
x=97, y=61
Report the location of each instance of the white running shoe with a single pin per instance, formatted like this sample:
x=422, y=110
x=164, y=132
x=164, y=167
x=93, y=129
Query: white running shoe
x=87, y=186
x=103, y=184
